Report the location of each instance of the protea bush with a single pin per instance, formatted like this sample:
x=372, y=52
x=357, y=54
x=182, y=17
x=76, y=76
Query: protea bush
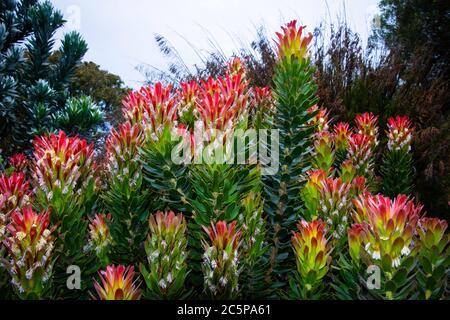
x=384, y=237
x=221, y=260
x=433, y=255
x=166, y=249
x=64, y=180
x=117, y=283
x=397, y=169
x=173, y=196
x=313, y=257
x=294, y=92
x=29, y=246
x=123, y=193
x=167, y=180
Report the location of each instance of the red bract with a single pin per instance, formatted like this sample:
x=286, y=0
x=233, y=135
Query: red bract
x=186, y=103
x=117, y=284
x=14, y=193
x=223, y=101
x=30, y=246
x=19, y=162
x=292, y=43
x=360, y=153
x=399, y=133
x=99, y=235
x=223, y=236
x=320, y=120
x=236, y=66
x=122, y=148
x=341, y=133
x=151, y=108
x=391, y=225
x=367, y=124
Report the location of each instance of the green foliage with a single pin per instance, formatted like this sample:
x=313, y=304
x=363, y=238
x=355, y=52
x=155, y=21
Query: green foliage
x=106, y=89
x=397, y=173
x=166, y=179
x=295, y=94
x=32, y=89
x=80, y=116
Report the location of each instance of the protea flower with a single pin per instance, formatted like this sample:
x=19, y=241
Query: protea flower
x=348, y=171
x=29, y=247
x=320, y=120
x=19, y=162
x=187, y=101
x=367, y=124
x=14, y=193
x=261, y=107
x=166, y=254
x=400, y=133
x=123, y=195
x=433, y=257
x=63, y=171
x=335, y=205
x=312, y=254
x=310, y=193
x=397, y=168
x=223, y=101
x=221, y=259
x=341, y=135
x=390, y=226
x=361, y=155
x=64, y=180
x=117, y=284
x=292, y=43
x=323, y=153
x=236, y=66
x=99, y=237
x=153, y=109
x=358, y=186
x=122, y=156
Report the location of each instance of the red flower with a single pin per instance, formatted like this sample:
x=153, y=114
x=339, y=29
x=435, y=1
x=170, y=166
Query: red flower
x=14, y=192
x=19, y=162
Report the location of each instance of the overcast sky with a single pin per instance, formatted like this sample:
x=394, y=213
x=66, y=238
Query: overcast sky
x=120, y=33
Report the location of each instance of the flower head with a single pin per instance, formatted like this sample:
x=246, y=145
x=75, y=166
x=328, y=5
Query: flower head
x=292, y=43
x=341, y=134
x=14, y=193
x=227, y=98
x=99, y=236
x=236, y=66
x=19, y=162
x=323, y=153
x=166, y=248
x=187, y=98
x=30, y=246
x=360, y=153
x=399, y=133
x=391, y=225
x=220, y=263
x=312, y=251
x=367, y=124
x=432, y=232
x=152, y=108
x=320, y=120
x=117, y=284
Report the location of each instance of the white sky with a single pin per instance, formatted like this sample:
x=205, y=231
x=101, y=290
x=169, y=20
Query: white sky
x=120, y=33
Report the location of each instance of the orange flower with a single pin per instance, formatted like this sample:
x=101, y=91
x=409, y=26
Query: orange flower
x=291, y=42
x=117, y=284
